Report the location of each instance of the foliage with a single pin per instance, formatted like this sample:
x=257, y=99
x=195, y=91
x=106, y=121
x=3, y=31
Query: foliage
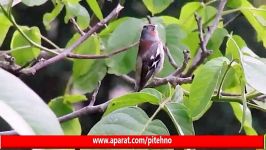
x=231, y=74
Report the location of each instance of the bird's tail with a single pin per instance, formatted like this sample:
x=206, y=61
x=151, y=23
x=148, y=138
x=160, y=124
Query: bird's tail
x=138, y=87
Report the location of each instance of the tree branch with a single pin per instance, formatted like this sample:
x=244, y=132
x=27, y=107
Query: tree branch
x=84, y=56
x=184, y=65
x=77, y=26
x=169, y=79
x=203, y=53
x=128, y=79
x=94, y=94
x=78, y=113
x=170, y=57
x=32, y=70
x=84, y=111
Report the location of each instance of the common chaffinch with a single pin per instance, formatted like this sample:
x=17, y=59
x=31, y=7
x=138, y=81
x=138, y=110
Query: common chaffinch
x=150, y=56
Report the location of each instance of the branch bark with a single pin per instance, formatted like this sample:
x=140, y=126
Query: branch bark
x=76, y=26
x=94, y=94
x=83, y=56
x=184, y=65
x=83, y=111
x=170, y=79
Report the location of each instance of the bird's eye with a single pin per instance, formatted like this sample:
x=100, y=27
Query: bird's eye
x=153, y=28
x=144, y=27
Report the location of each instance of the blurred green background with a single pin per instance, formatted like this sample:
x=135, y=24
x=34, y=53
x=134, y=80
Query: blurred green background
x=50, y=82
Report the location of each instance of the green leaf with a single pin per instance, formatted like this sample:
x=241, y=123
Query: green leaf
x=249, y=52
x=238, y=112
x=192, y=43
x=254, y=69
x=31, y=3
x=90, y=46
x=95, y=8
x=87, y=72
x=243, y=98
x=174, y=36
x=112, y=26
x=234, y=3
x=87, y=82
x=5, y=25
x=261, y=20
x=203, y=86
x=49, y=17
x=162, y=31
x=233, y=47
x=74, y=9
x=157, y=6
x=60, y=108
x=256, y=17
x=232, y=83
x=166, y=90
x=25, y=55
x=131, y=99
x=128, y=121
x=123, y=63
x=153, y=92
x=24, y=110
x=181, y=118
x=122, y=37
x=71, y=99
x=187, y=19
x=178, y=95
x=255, y=72
x=216, y=41
x=165, y=20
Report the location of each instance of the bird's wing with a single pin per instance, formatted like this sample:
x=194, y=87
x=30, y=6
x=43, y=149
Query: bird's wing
x=150, y=62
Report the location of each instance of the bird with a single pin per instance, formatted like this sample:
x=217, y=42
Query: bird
x=150, y=57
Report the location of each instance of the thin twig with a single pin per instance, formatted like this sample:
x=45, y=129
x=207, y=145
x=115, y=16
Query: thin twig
x=84, y=111
x=76, y=56
x=261, y=98
x=170, y=57
x=77, y=26
x=51, y=43
x=204, y=53
x=128, y=79
x=9, y=67
x=32, y=70
x=2, y=52
x=84, y=56
x=184, y=65
x=161, y=106
x=201, y=35
x=170, y=79
x=232, y=19
x=149, y=19
x=94, y=94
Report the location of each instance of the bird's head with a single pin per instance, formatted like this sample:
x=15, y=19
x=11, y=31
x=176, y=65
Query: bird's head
x=149, y=32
